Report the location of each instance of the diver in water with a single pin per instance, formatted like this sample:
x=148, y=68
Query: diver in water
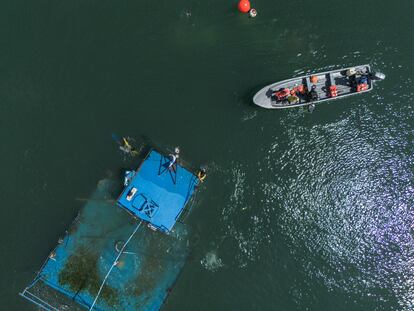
x=201, y=175
x=126, y=147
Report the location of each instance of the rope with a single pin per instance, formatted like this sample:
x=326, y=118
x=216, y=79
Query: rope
x=114, y=264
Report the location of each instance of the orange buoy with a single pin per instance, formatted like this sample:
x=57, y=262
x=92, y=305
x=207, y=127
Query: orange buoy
x=244, y=6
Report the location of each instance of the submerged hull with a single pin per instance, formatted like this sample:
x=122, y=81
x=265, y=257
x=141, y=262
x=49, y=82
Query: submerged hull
x=345, y=86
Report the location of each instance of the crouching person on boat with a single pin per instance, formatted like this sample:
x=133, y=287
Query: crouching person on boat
x=293, y=98
x=313, y=95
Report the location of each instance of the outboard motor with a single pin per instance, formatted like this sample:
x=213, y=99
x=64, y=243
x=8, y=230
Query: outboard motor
x=311, y=107
x=377, y=76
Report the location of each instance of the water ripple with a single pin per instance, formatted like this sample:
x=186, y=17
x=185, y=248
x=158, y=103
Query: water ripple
x=344, y=196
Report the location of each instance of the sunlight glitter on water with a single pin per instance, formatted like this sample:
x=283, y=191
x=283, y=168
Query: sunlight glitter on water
x=350, y=205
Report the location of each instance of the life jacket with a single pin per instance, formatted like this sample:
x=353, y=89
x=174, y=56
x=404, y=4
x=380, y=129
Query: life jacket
x=332, y=91
x=282, y=94
x=300, y=89
x=362, y=87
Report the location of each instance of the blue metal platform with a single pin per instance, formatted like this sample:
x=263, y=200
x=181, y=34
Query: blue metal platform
x=101, y=264
x=161, y=192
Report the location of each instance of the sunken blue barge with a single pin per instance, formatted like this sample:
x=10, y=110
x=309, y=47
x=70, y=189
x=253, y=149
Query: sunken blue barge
x=157, y=192
x=108, y=260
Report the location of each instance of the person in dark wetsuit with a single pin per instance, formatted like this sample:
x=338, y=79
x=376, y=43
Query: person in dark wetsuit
x=313, y=95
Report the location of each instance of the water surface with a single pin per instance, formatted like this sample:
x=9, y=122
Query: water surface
x=300, y=211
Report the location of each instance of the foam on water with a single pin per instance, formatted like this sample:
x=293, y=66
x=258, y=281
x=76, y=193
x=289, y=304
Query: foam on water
x=211, y=261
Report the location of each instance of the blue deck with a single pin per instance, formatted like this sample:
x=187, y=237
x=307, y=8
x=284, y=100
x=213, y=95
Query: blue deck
x=142, y=278
x=143, y=274
x=162, y=192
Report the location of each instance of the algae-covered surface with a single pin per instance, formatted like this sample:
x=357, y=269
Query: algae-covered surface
x=143, y=274
x=80, y=273
x=161, y=260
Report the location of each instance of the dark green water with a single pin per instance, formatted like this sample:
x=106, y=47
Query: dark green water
x=300, y=212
